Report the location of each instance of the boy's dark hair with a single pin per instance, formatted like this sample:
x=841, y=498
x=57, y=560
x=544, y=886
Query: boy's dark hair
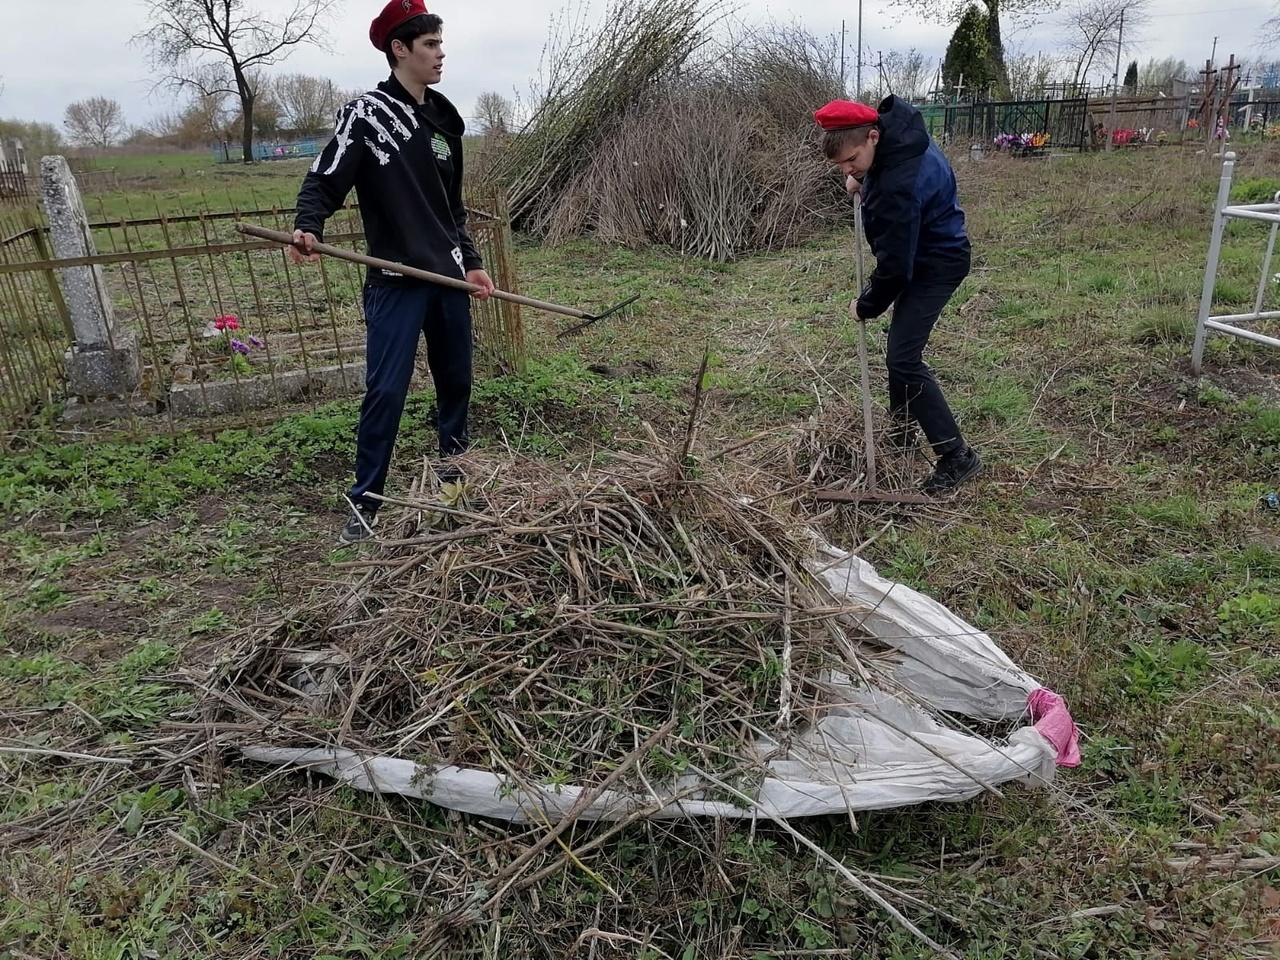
x=410, y=31
x=836, y=143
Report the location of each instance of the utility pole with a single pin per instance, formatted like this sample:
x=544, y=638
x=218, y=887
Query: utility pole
x=842, y=48
x=1115, y=87
x=857, y=93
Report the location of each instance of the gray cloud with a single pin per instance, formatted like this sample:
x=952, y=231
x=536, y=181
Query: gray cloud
x=47, y=62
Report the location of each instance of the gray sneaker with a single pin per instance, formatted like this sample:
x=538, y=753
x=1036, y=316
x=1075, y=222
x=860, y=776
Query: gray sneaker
x=359, y=525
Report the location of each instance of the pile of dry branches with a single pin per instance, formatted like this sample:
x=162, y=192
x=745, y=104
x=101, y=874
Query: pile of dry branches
x=660, y=129
x=553, y=625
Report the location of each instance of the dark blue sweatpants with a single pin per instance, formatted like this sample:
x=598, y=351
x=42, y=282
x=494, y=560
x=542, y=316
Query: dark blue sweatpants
x=914, y=394
x=395, y=317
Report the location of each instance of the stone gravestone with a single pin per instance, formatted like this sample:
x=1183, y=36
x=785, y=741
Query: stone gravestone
x=104, y=361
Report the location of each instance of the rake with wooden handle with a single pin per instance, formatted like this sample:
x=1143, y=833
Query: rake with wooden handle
x=871, y=494
x=277, y=236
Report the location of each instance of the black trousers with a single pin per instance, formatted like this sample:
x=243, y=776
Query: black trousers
x=914, y=394
x=395, y=318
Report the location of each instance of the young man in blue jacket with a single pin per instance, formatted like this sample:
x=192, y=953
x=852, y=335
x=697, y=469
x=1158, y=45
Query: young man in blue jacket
x=916, y=230
x=400, y=147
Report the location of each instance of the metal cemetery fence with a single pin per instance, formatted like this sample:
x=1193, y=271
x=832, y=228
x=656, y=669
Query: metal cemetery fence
x=14, y=188
x=1066, y=121
x=228, y=328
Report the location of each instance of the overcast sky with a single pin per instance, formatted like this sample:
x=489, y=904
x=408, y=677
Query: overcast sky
x=54, y=53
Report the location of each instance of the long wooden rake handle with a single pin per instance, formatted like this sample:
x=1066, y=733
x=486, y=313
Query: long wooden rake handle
x=286, y=239
x=863, y=368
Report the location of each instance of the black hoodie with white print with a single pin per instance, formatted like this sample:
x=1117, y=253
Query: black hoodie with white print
x=405, y=161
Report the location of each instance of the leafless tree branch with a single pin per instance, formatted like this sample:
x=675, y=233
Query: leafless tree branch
x=216, y=46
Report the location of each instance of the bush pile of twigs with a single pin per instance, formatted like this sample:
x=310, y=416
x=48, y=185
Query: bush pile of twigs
x=661, y=129
x=555, y=622
x=830, y=451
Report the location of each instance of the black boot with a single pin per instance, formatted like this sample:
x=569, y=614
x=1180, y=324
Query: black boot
x=951, y=470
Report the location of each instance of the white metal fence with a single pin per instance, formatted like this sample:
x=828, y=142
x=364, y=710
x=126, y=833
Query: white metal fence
x=1235, y=323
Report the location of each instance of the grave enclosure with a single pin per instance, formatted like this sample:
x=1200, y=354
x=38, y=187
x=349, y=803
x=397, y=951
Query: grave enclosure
x=136, y=317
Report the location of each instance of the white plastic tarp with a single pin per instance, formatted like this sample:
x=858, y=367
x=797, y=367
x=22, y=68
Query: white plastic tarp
x=873, y=749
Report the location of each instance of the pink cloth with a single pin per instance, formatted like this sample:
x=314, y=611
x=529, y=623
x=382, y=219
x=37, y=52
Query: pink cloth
x=1053, y=721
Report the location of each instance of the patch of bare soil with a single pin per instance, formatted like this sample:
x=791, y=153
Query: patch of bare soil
x=115, y=617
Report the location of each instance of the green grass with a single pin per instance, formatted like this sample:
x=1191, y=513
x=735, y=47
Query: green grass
x=1114, y=547
x=179, y=183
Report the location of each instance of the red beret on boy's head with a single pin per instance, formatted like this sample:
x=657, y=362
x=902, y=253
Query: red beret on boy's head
x=842, y=114
x=393, y=15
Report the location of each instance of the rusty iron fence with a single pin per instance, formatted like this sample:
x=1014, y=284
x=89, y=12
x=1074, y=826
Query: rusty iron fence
x=15, y=188
x=35, y=328
x=230, y=330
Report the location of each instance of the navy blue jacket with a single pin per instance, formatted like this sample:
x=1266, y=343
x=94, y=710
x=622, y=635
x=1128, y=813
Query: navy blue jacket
x=910, y=211
x=405, y=161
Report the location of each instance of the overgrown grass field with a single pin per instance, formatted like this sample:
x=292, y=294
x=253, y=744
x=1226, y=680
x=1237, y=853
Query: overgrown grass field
x=1116, y=546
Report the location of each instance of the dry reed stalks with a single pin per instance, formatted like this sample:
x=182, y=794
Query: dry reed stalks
x=661, y=132
x=555, y=622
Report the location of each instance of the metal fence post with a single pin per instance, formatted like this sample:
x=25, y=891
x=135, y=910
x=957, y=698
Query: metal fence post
x=55, y=291
x=1211, y=264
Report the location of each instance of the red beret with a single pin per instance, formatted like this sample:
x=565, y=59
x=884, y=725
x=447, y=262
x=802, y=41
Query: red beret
x=393, y=15
x=842, y=114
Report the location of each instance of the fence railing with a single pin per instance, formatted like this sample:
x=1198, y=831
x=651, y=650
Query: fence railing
x=35, y=327
x=1065, y=121
x=14, y=186
x=188, y=286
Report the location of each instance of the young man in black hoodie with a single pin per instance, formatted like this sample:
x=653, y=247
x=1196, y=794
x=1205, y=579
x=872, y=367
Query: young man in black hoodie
x=400, y=147
x=916, y=230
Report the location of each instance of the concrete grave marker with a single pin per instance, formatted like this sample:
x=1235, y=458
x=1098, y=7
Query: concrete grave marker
x=105, y=360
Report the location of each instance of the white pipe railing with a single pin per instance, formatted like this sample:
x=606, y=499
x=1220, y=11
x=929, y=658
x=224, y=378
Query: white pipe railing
x=1227, y=323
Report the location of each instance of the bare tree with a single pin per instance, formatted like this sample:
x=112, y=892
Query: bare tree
x=494, y=113
x=205, y=118
x=1263, y=72
x=96, y=122
x=307, y=104
x=1092, y=32
x=1268, y=35
x=38, y=139
x=1160, y=74
x=905, y=74
x=215, y=46
x=165, y=126
x=268, y=114
x=1030, y=74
